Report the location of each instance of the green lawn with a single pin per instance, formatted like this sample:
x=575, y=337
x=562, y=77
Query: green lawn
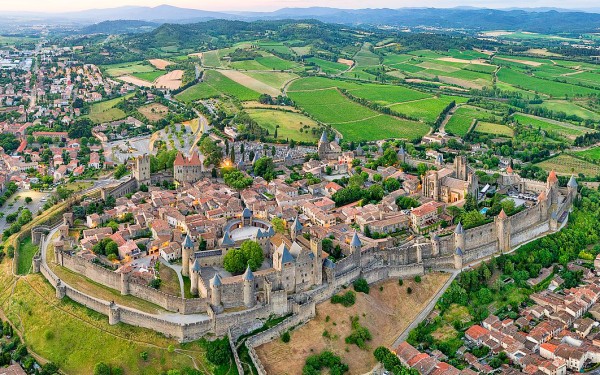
x=104, y=111
x=491, y=128
x=26, y=252
x=290, y=124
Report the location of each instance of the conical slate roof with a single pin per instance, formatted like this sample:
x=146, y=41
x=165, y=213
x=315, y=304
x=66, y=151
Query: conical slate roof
x=188, y=242
x=297, y=226
x=227, y=240
x=323, y=137
x=459, y=251
x=572, y=183
x=216, y=280
x=459, y=229
x=196, y=266
x=401, y=152
x=248, y=275
x=355, y=241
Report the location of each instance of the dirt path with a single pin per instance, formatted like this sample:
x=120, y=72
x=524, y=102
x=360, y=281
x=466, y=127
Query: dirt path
x=442, y=128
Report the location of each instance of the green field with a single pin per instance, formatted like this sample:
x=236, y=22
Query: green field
x=211, y=58
x=215, y=84
x=385, y=94
x=276, y=63
x=274, y=79
x=353, y=120
x=566, y=165
x=247, y=65
x=365, y=57
x=328, y=67
x=26, y=252
x=104, y=111
x=317, y=83
x=565, y=130
x=149, y=76
x=591, y=154
x=278, y=47
x=117, y=70
x=462, y=119
x=570, y=108
x=427, y=109
x=290, y=124
x=491, y=128
x=543, y=86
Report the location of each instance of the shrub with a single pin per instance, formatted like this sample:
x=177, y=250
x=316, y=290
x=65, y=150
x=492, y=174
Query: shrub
x=361, y=285
x=417, y=279
x=285, y=337
x=218, y=351
x=347, y=299
x=144, y=356
x=360, y=335
x=409, y=290
x=315, y=363
x=400, y=282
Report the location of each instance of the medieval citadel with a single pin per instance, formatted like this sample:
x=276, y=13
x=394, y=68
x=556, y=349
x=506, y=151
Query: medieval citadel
x=297, y=274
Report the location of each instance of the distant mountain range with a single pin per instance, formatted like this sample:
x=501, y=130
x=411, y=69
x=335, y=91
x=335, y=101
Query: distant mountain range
x=533, y=19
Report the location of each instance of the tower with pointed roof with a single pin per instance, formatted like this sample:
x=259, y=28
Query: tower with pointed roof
x=503, y=231
x=355, y=249
x=249, y=297
x=458, y=258
x=435, y=245
x=187, y=169
x=552, y=189
x=316, y=248
x=459, y=236
x=296, y=229
x=328, y=150
x=195, y=277
x=187, y=249
x=216, y=290
x=571, y=189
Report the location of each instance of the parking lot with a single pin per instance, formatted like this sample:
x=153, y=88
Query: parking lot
x=18, y=200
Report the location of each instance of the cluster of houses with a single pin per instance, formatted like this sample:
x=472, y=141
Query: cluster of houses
x=554, y=336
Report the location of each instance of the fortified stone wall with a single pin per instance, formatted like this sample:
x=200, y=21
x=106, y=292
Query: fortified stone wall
x=480, y=236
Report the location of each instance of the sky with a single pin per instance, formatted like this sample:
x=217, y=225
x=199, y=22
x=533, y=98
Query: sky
x=269, y=5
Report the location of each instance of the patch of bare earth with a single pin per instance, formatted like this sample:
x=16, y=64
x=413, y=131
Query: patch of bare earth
x=160, y=63
x=171, y=80
x=154, y=112
x=135, y=81
x=345, y=62
x=385, y=313
x=460, y=82
x=255, y=104
x=463, y=61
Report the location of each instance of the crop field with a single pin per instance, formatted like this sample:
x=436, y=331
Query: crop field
x=250, y=82
x=571, y=108
x=248, y=65
x=149, y=76
x=590, y=154
x=278, y=47
x=16, y=40
x=462, y=119
x=551, y=88
x=274, y=79
x=566, y=165
x=294, y=126
x=386, y=94
x=276, y=63
x=211, y=58
x=326, y=66
x=563, y=129
x=319, y=83
x=427, y=109
x=116, y=70
x=393, y=59
x=365, y=57
x=215, y=84
x=353, y=120
x=491, y=128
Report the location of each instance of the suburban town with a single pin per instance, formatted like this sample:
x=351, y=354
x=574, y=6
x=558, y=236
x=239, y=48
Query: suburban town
x=189, y=192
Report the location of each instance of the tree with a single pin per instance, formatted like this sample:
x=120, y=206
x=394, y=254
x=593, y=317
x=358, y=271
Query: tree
x=278, y=225
x=250, y=253
x=265, y=168
x=101, y=368
x=111, y=248
x=120, y=171
x=202, y=245
x=391, y=184
x=28, y=200
x=211, y=151
x=237, y=179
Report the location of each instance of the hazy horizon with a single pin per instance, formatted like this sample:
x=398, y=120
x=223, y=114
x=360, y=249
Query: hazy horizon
x=61, y=6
